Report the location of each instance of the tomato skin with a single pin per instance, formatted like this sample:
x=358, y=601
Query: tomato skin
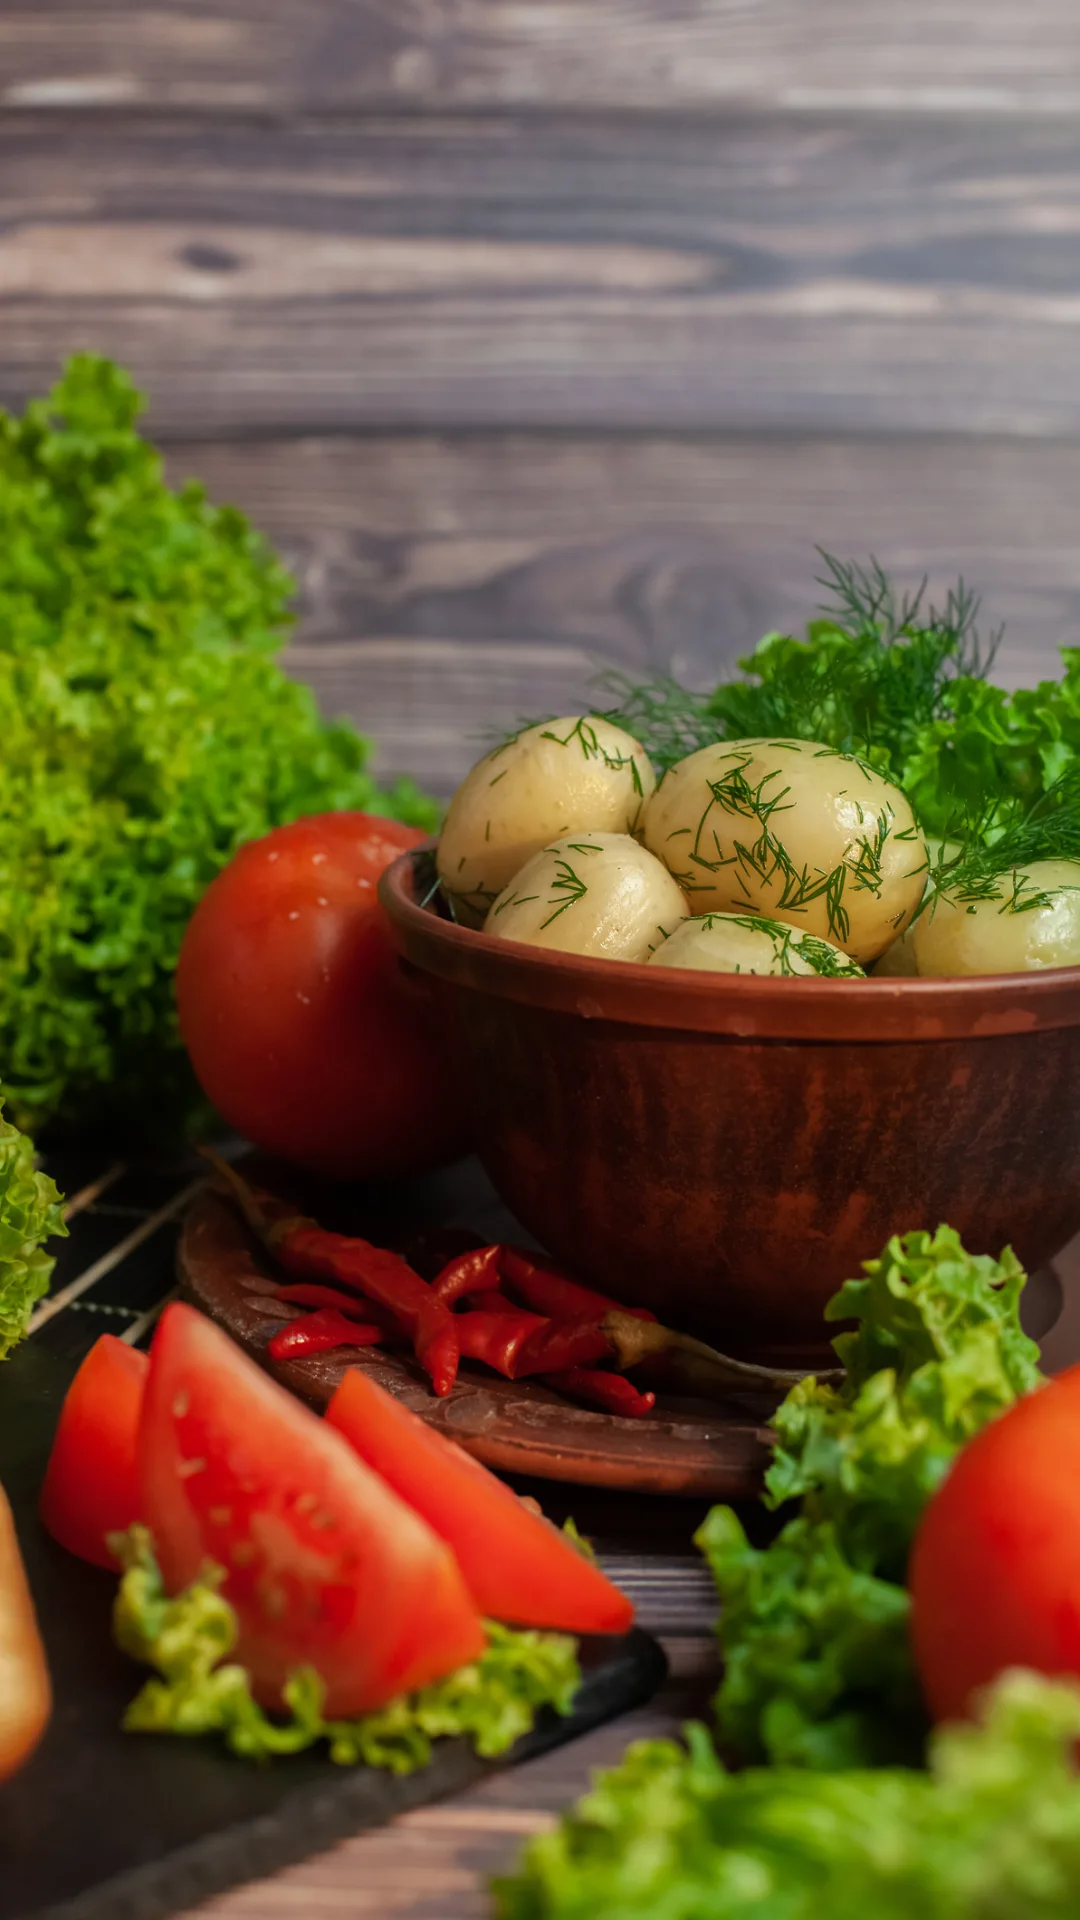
x=301, y=1024
x=995, y=1570
x=517, y=1566
x=91, y=1484
x=324, y=1566
x=26, y=1695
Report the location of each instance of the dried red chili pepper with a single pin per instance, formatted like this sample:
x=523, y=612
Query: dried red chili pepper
x=471, y=1272
x=497, y=1338
x=319, y=1332
x=581, y=1325
x=307, y=1250
x=505, y=1339
x=558, y=1344
x=385, y=1278
x=611, y=1392
x=517, y=1343
x=547, y=1289
x=305, y=1293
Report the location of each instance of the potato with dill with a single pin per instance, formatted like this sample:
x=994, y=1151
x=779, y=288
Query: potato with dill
x=750, y=943
x=600, y=894
x=1016, y=922
x=898, y=961
x=794, y=830
x=575, y=775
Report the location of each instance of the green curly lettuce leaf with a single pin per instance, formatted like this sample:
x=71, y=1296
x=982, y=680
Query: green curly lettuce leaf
x=491, y=1702
x=990, y=1832
x=148, y=733
x=817, y=1668
x=995, y=756
x=30, y=1212
x=813, y=1627
x=937, y=1350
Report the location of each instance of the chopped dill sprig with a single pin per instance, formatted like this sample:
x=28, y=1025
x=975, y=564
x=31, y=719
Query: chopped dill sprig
x=585, y=735
x=787, y=940
x=666, y=718
x=864, y=603
x=567, y=881
x=871, y=673
x=1047, y=829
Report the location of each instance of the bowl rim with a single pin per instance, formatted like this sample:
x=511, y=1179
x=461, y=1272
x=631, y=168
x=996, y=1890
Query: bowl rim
x=742, y=1006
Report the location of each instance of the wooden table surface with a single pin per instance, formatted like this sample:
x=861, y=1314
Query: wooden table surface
x=435, y=1864
x=554, y=336
x=549, y=337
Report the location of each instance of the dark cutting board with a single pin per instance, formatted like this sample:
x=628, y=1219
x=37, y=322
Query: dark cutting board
x=103, y=1825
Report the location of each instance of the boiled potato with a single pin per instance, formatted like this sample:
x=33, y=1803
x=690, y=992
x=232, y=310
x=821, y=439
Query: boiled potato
x=794, y=830
x=598, y=893
x=570, y=776
x=898, y=961
x=1031, y=921
x=748, y=943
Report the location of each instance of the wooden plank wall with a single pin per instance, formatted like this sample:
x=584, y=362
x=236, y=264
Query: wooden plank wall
x=554, y=334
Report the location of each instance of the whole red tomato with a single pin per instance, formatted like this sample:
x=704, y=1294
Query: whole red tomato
x=995, y=1572
x=302, y=1026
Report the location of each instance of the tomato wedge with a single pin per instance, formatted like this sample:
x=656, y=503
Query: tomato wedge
x=517, y=1566
x=324, y=1565
x=92, y=1481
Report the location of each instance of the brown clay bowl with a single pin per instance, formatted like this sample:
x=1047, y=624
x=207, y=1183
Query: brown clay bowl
x=727, y=1149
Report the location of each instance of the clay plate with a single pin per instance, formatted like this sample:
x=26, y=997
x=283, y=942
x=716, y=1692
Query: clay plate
x=714, y=1451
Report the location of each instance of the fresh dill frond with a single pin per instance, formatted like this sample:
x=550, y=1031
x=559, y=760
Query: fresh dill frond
x=567, y=888
x=874, y=670
x=1047, y=829
x=665, y=718
x=864, y=603
x=869, y=676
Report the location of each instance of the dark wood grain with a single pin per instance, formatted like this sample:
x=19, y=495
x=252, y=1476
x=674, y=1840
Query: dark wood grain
x=449, y=586
x=641, y=54
x=761, y=273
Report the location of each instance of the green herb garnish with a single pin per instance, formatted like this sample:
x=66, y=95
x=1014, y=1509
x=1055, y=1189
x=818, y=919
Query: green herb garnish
x=567, y=887
x=787, y=942
x=873, y=673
